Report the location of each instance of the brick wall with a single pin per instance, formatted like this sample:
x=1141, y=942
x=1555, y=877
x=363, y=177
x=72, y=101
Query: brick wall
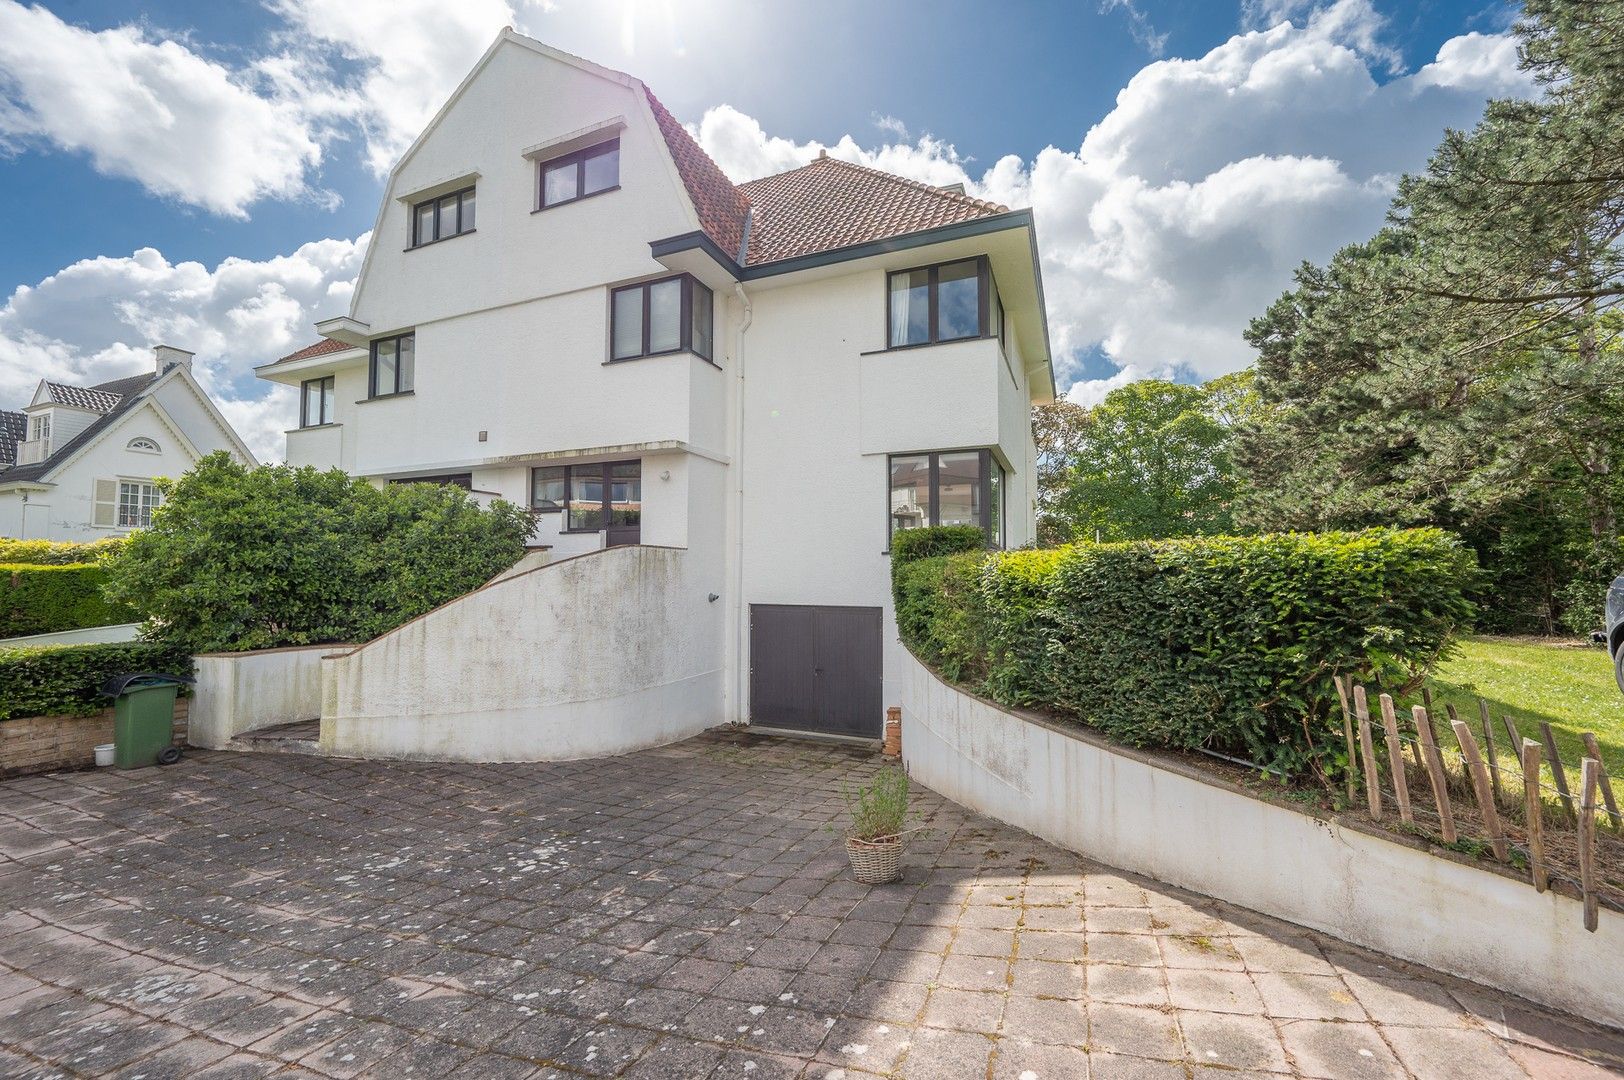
x=36, y=744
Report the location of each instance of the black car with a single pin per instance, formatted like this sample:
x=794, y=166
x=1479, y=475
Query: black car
x=1615, y=628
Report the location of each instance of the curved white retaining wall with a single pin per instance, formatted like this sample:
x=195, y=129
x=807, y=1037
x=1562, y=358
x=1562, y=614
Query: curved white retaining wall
x=1131, y=813
x=238, y=692
x=597, y=655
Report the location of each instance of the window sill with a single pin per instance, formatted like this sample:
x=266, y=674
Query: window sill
x=317, y=427
x=656, y=355
x=572, y=202
x=387, y=397
x=928, y=344
x=443, y=239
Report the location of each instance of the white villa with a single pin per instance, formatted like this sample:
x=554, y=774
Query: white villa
x=729, y=396
x=79, y=462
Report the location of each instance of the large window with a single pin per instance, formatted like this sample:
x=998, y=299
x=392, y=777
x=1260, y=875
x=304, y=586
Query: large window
x=663, y=316
x=591, y=497
x=946, y=302
x=442, y=218
x=575, y=176
x=960, y=487
x=316, y=402
x=394, y=366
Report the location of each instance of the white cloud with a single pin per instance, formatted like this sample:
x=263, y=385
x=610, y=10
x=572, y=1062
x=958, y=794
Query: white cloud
x=185, y=127
x=1185, y=209
x=1138, y=25
x=409, y=55
x=95, y=319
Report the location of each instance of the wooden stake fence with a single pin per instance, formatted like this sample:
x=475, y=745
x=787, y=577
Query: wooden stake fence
x=1373, y=787
x=1435, y=772
x=1534, y=811
x=1593, y=750
x=1589, y=771
x=1395, y=758
x=1485, y=793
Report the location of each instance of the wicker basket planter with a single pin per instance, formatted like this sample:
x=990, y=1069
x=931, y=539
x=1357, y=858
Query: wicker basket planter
x=875, y=862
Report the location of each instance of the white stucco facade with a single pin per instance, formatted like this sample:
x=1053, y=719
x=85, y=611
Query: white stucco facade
x=766, y=462
x=161, y=429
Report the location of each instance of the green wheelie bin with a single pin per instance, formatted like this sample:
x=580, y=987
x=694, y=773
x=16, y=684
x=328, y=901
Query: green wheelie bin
x=144, y=718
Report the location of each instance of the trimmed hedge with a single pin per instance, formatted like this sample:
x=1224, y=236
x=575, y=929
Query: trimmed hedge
x=257, y=558
x=58, y=552
x=1221, y=643
x=45, y=599
x=66, y=680
x=911, y=544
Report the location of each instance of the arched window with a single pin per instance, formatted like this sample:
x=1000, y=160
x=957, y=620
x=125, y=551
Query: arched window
x=143, y=444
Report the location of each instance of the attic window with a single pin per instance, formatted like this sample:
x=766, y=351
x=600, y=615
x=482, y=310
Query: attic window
x=39, y=427
x=143, y=445
x=442, y=218
x=592, y=171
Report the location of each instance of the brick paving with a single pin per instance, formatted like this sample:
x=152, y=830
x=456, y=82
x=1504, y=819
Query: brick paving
x=681, y=913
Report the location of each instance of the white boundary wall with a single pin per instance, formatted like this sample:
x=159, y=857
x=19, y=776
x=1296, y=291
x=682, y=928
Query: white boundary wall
x=238, y=692
x=1128, y=812
x=592, y=656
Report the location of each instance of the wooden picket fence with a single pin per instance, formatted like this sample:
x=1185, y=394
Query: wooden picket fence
x=1475, y=800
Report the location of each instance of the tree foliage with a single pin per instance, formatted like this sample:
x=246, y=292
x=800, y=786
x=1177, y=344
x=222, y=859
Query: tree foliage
x=1465, y=366
x=241, y=558
x=1150, y=461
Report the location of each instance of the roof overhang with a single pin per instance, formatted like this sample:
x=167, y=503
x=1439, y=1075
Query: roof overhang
x=1009, y=240
x=343, y=328
x=293, y=372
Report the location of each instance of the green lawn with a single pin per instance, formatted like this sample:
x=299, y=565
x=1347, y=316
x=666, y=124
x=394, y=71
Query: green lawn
x=1566, y=683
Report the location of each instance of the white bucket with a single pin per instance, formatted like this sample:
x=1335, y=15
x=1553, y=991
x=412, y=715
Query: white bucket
x=104, y=754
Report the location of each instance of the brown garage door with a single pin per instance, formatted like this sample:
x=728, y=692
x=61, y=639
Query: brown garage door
x=816, y=668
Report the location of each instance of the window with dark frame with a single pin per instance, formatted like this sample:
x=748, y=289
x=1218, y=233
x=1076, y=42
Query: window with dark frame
x=949, y=301
x=565, y=179
x=443, y=217
x=949, y=487
x=673, y=314
x=590, y=496
x=393, y=369
x=316, y=402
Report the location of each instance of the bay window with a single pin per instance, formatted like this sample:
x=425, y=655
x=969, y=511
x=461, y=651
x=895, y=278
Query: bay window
x=393, y=366
x=316, y=402
x=946, y=302
x=665, y=316
x=956, y=487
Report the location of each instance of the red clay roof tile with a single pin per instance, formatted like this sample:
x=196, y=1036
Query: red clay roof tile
x=320, y=348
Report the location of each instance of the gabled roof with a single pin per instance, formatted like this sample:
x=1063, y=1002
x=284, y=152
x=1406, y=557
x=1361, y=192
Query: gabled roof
x=80, y=397
x=833, y=204
x=722, y=207
x=13, y=429
x=123, y=393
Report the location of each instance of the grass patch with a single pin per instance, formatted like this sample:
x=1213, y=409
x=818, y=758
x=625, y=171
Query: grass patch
x=1567, y=683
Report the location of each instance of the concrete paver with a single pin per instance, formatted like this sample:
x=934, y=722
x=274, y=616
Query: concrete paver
x=680, y=913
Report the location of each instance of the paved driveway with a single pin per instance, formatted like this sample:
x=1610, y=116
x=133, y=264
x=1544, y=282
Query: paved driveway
x=678, y=913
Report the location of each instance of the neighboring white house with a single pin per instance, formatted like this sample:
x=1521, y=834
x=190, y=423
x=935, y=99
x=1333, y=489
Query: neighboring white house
x=772, y=376
x=79, y=462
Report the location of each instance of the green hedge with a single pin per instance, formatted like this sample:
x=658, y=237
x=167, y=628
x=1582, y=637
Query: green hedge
x=66, y=680
x=911, y=544
x=1221, y=643
x=256, y=558
x=58, y=552
x=45, y=599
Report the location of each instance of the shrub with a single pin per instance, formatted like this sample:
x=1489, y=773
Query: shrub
x=1223, y=643
x=58, y=552
x=879, y=809
x=66, y=680
x=256, y=558
x=45, y=599
x=911, y=544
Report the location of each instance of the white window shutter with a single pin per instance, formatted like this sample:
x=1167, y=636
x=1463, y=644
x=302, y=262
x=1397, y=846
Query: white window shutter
x=106, y=514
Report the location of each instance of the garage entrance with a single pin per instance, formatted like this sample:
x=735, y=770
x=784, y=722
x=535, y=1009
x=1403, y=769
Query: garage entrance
x=816, y=669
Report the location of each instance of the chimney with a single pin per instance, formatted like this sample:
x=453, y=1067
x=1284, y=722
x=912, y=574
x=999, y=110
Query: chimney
x=167, y=356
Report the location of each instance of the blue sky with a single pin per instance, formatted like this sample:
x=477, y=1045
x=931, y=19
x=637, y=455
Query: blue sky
x=208, y=132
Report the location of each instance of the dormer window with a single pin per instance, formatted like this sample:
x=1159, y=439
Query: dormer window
x=592, y=171
x=443, y=217
x=39, y=427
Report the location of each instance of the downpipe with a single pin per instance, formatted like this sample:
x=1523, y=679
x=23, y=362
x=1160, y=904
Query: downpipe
x=740, y=612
